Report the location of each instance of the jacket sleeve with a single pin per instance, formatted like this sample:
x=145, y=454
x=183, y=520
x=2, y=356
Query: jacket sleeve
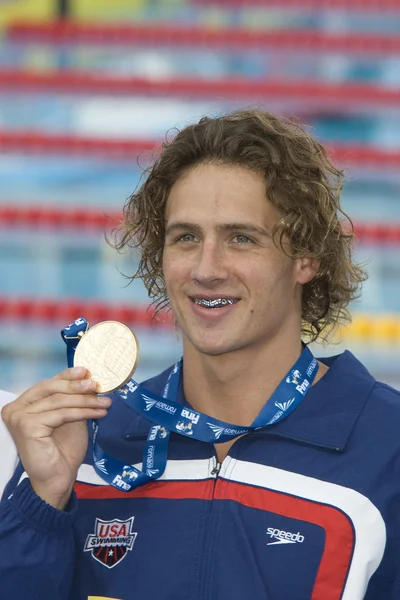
x=36, y=544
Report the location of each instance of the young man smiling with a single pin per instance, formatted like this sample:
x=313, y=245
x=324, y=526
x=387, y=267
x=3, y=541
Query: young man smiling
x=235, y=295
x=250, y=470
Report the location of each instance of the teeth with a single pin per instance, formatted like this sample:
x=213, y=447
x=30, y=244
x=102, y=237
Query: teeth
x=213, y=303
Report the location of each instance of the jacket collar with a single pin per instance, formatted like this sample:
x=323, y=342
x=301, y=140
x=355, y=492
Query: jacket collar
x=325, y=418
x=332, y=406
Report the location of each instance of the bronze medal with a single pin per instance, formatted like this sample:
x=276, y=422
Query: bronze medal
x=110, y=352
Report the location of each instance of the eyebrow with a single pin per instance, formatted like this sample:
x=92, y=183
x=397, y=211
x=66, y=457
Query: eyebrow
x=249, y=227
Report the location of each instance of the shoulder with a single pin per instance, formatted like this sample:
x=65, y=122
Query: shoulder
x=357, y=397
x=381, y=397
x=387, y=391
x=385, y=398
x=352, y=377
x=379, y=420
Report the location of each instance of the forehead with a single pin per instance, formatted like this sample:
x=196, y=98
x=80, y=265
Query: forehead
x=215, y=192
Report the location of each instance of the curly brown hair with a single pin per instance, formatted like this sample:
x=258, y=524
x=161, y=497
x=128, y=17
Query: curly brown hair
x=301, y=182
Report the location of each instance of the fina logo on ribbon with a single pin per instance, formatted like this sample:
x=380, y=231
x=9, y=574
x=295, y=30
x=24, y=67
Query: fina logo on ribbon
x=132, y=387
x=294, y=377
x=155, y=431
x=184, y=428
x=129, y=473
x=163, y=433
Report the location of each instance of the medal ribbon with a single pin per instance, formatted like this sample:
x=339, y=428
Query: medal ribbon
x=169, y=415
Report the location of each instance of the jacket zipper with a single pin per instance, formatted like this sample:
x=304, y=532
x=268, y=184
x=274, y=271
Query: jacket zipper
x=215, y=471
x=211, y=528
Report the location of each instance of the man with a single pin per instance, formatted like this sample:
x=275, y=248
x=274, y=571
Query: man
x=297, y=495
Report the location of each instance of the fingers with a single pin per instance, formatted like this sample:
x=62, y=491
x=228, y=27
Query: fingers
x=68, y=390
x=40, y=418
x=72, y=373
x=69, y=381
x=61, y=401
x=40, y=425
x=56, y=418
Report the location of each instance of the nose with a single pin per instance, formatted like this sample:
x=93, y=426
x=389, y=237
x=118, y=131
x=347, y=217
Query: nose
x=210, y=263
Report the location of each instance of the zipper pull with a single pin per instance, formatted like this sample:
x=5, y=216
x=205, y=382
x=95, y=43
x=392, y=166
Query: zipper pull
x=216, y=469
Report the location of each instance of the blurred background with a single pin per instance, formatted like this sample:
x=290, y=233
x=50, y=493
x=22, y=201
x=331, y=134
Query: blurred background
x=88, y=89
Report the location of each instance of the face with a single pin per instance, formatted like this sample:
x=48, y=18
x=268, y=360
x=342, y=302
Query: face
x=229, y=286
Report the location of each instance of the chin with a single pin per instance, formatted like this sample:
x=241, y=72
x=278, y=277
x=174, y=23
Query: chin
x=213, y=351
x=213, y=348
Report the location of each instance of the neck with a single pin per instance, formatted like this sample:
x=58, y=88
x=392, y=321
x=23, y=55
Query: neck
x=234, y=387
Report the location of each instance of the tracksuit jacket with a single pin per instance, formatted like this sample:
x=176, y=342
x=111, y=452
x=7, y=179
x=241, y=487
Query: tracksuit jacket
x=308, y=508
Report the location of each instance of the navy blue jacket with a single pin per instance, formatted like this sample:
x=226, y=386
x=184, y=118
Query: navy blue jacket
x=308, y=508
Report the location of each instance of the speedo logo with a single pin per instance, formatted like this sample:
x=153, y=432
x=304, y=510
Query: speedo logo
x=284, y=537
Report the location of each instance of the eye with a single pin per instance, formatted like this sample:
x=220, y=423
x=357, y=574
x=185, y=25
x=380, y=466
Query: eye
x=187, y=237
x=240, y=238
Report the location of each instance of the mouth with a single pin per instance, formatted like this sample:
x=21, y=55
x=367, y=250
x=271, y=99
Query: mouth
x=214, y=303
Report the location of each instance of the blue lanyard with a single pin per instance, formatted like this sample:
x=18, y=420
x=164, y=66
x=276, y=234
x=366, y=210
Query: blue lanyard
x=169, y=415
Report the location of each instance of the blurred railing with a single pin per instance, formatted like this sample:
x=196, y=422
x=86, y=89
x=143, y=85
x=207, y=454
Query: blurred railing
x=70, y=32
x=33, y=142
x=339, y=95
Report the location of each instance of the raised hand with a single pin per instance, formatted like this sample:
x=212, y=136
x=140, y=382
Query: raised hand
x=48, y=426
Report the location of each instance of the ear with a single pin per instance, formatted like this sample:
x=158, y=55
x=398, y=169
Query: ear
x=306, y=269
